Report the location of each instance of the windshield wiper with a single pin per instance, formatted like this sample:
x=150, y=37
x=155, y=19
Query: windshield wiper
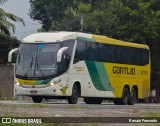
x=38, y=66
x=25, y=74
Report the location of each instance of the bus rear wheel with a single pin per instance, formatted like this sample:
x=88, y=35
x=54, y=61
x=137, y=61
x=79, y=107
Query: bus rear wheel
x=75, y=94
x=93, y=100
x=125, y=96
x=133, y=97
x=37, y=99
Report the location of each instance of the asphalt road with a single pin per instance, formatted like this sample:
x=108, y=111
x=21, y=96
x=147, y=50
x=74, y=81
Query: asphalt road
x=63, y=104
x=61, y=108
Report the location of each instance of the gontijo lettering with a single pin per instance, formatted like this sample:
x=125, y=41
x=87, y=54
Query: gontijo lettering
x=123, y=70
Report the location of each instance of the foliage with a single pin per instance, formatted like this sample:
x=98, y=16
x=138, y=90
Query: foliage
x=5, y=24
x=6, y=44
x=7, y=41
x=135, y=21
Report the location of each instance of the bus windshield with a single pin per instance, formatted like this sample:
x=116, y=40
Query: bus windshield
x=38, y=61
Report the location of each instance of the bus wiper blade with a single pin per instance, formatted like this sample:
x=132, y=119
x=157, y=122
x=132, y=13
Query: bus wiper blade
x=25, y=74
x=38, y=66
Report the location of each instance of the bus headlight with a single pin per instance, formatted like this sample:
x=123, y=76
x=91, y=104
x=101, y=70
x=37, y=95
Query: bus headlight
x=17, y=83
x=52, y=84
x=55, y=81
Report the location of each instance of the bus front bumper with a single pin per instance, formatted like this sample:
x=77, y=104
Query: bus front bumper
x=46, y=91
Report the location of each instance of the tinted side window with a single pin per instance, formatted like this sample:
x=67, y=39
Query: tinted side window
x=105, y=52
x=80, y=53
x=69, y=44
x=111, y=53
x=116, y=54
x=93, y=51
x=134, y=56
x=145, y=56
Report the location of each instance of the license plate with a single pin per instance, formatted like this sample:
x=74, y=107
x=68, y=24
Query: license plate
x=33, y=91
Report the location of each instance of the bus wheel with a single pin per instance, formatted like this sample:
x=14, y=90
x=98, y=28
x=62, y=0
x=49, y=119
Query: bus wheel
x=75, y=94
x=133, y=97
x=93, y=100
x=37, y=99
x=125, y=96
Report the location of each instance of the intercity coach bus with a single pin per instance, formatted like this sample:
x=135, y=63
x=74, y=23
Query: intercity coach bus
x=71, y=65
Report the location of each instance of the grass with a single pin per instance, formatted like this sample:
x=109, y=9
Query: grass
x=78, y=107
x=153, y=114
x=135, y=111
x=15, y=114
x=37, y=106
x=5, y=98
x=26, y=106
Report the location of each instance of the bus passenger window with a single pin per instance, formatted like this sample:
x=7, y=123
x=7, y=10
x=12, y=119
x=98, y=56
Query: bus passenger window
x=105, y=52
x=80, y=53
x=92, y=51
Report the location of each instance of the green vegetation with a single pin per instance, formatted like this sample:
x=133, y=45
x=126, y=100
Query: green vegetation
x=5, y=22
x=78, y=107
x=26, y=106
x=135, y=21
x=5, y=98
x=37, y=106
x=153, y=114
x=7, y=41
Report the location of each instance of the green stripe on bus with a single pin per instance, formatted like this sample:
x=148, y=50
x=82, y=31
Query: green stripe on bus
x=86, y=39
x=46, y=81
x=42, y=81
x=94, y=75
x=103, y=76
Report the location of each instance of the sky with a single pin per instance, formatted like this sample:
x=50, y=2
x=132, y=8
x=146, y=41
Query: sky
x=21, y=9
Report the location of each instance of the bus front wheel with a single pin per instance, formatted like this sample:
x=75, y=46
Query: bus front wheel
x=37, y=99
x=75, y=94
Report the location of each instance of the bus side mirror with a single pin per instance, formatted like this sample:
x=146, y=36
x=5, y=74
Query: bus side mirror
x=10, y=55
x=60, y=52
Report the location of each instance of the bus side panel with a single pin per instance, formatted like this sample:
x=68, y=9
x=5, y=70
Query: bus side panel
x=130, y=75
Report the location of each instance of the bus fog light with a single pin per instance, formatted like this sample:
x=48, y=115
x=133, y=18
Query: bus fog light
x=52, y=84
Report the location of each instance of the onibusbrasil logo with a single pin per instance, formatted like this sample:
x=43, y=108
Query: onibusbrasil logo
x=21, y=120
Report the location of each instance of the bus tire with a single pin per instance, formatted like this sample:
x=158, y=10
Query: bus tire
x=75, y=94
x=37, y=99
x=125, y=96
x=133, y=97
x=93, y=100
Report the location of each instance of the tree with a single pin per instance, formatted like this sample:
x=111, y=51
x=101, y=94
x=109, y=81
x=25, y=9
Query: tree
x=7, y=41
x=5, y=25
x=135, y=21
x=48, y=11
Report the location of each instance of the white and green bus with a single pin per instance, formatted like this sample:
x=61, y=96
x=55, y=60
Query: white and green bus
x=69, y=65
